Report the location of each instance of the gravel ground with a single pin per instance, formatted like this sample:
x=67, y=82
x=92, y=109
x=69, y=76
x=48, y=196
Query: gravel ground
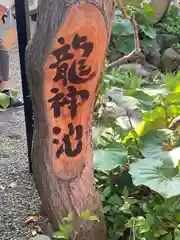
x=18, y=196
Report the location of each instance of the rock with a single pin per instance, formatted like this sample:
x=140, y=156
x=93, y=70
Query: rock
x=149, y=46
x=135, y=67
x=170, y=60
x=166, y=41
x=13, y=185
x=40, y=237
x=149, y=67
x=154, y=58
x=152, y=52
x=137, y=58
x=177, y=50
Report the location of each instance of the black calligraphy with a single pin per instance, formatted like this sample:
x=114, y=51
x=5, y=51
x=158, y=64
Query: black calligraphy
x=59, y=100
x=66, y=146
x=73, y=70
x=78, y=72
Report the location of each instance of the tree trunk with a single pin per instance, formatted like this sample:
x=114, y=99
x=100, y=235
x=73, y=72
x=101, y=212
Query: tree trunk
x=65, y=59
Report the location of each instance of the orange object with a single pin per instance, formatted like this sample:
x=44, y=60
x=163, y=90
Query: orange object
x=3, y=9
x=78, y=49
x=10, y=36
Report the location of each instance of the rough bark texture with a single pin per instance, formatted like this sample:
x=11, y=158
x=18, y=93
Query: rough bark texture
x=65, y=183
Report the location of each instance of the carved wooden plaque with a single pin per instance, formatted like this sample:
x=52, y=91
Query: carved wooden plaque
x=71, y=76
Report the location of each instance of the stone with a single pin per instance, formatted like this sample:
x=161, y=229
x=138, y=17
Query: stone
x=135, y=67
x=170, y=60
x=153, y=55
x=149, y=67
x=40, y=237
x=137, y=58
x=166, y=41
x=154, y=58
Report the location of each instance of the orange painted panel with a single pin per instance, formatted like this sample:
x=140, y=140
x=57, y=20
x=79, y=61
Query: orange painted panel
x=71, y=76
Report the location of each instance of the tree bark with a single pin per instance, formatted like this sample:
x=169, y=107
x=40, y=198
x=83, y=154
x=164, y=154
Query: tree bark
x=65, y=59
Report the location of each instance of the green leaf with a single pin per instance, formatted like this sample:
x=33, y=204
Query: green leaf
x=124, y=102
x=157, y=113
x=4, y=100
x=87, y=216
x=59, y=235
x=168, y=237
x=115, y=200
x=148, y=31
x=69, y=218
x=153, y=143
x=177, y=217
x=125, y=45
x=122, y=27
x=158, y=174
x=106, y=191
x=177, y=234
x=160, y=232
x=108, y=159
x=65, y=232
x=94, y=218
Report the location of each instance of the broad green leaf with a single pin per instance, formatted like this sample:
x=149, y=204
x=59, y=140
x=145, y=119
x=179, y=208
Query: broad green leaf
x=158, y=113
x=158, y=174
x=153, y=145
x=125, y=44
x=108, y=159
x=122, y=27
x=148, y=31
x=144, y=127
x=148, y=10
x=174, y=110
x=173, y=98
x=4, y=100
x=155, y=91
x=172, y=82
x=124, y=102
x=143, y=99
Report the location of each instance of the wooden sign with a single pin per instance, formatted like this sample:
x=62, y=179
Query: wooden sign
x=8, y=30
x=71, y=76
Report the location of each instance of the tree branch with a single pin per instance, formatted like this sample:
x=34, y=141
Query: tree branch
x=136, y=35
